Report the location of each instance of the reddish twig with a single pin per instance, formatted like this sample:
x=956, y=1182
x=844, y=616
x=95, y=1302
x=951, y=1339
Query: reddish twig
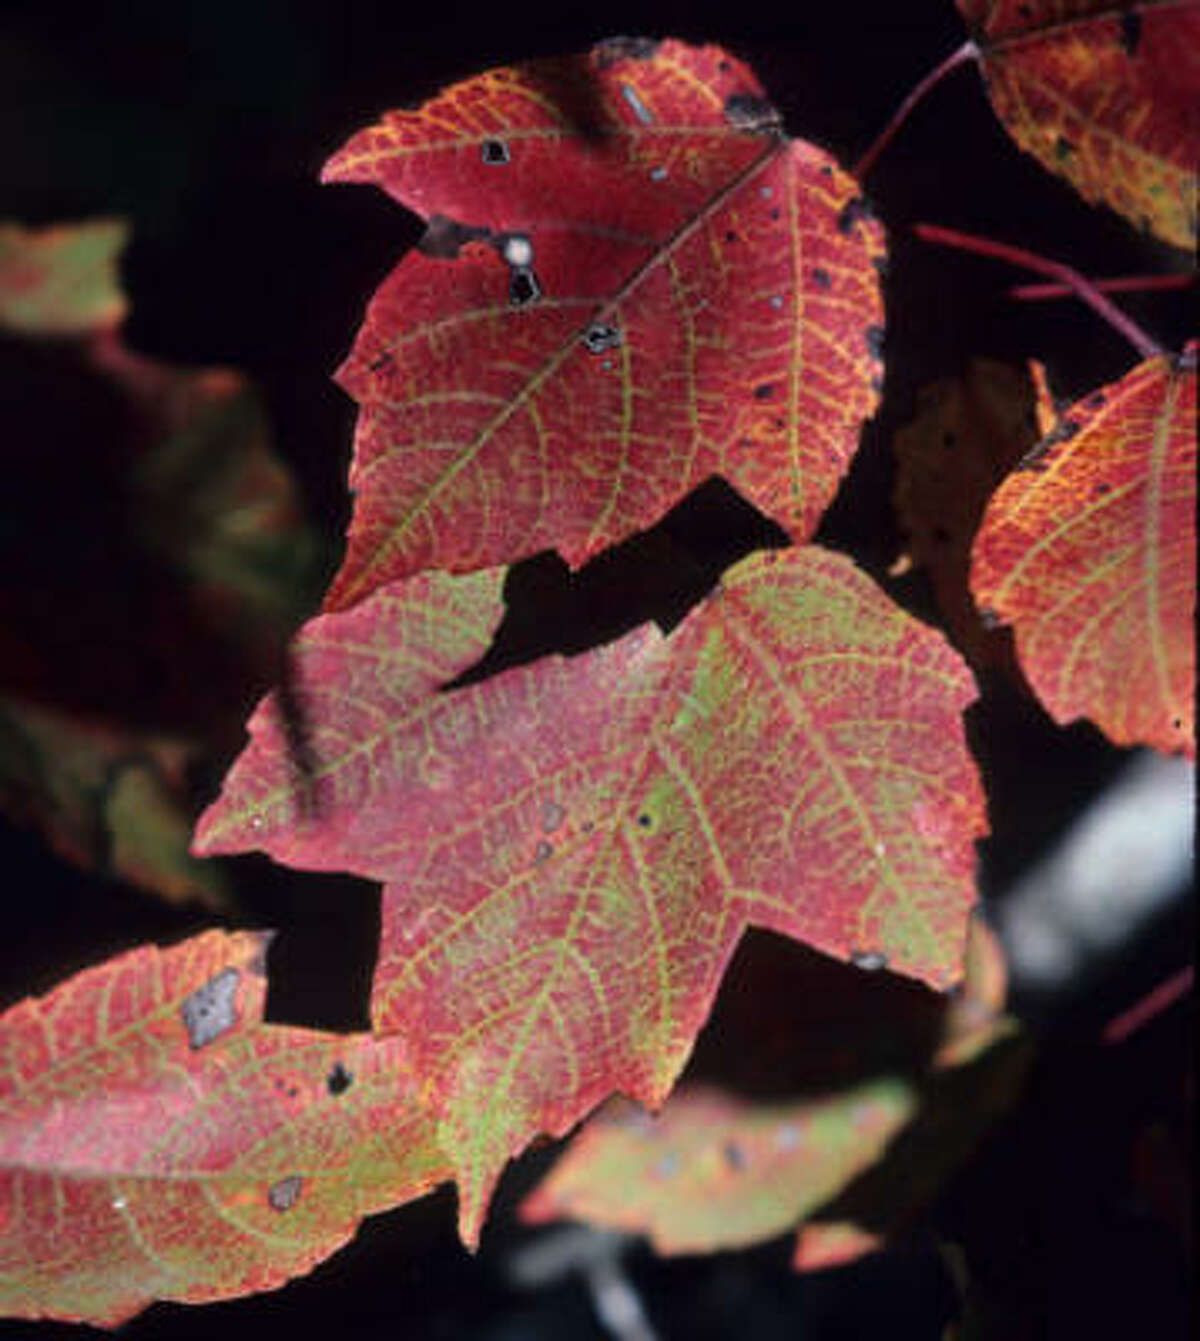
x=967, y=52
x=1153, y=1003
x=1122, y=284
x=1028, y=260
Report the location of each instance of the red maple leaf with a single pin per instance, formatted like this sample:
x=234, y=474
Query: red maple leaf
x=572, y=849
x=631, y=281
x=1089, y=550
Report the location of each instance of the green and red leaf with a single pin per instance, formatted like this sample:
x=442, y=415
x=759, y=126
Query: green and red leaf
x=1103, y=96
x=1089, y=551
x=573, y=848
x=716, y=1171
x=62, y=280
x=159, y=1141
x=631, y=281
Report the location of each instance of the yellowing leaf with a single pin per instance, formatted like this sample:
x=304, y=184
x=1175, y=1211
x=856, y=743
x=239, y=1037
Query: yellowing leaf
x=1104, y=96
x=717, y=1171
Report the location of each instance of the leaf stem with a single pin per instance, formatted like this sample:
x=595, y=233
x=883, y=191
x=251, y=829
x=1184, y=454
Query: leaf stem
x=967, y=52
x=1121, y=284
x=1028, y=260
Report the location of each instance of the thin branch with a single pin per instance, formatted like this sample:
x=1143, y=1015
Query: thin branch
x=1170, y=990
x=1121, y=284
x=1028, y=260
x=967, y=52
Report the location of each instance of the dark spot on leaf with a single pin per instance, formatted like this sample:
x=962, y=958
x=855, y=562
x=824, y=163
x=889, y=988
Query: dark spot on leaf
x=284, y=1194
x=874, y=337
x=821, y=278
x=731, y=236
x=780, y=422
x=381, y=361
x=1095, y=400
x=644, y=820
x=1100, y=488
x=1063, y=148
x=339, y=1080
x=723, y=66
x=735, y=1156
x=989, y=618
x=443, y=237
x=211, y=1010
x=764, y=391
x=523, y=288
x=1131, y=31
x=869, y=960
x=600, y=337
x=749, y=112
x=495, y=152
x=614, y=49
x=851, y=212
x=826, y=170
x=775, y=213
x=543, y=852
x=552, y=816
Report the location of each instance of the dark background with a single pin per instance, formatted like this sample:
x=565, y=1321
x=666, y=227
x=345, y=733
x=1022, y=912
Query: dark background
x=207, y=125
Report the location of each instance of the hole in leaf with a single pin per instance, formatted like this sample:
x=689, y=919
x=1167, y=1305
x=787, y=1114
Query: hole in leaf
x=322, y=961
x=339, y=1079
x=523, y=288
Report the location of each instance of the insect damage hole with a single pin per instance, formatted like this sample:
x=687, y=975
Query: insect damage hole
x=523, y=288
x=517, y=251
x=283, y=1195
x=600, y=337
x=211, y=1009
x=338, y=1080
x=495, y=152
